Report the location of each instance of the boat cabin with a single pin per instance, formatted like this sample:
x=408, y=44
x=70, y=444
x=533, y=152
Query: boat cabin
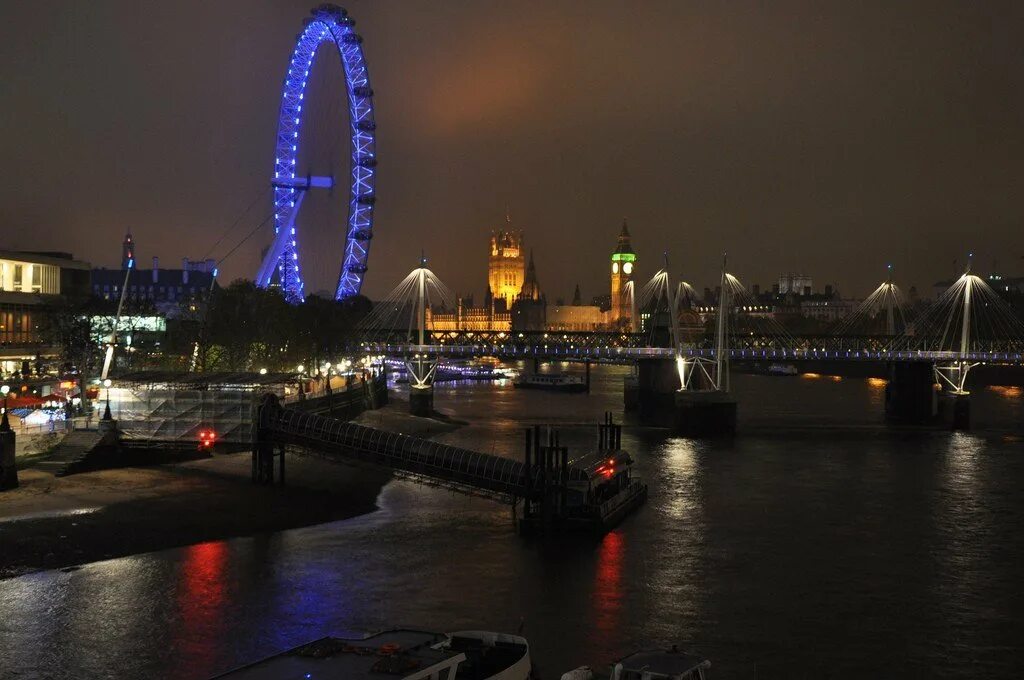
x=399, y=655
x=661, y=665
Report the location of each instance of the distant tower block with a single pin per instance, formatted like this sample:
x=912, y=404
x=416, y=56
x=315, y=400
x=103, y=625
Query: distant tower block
x=506, y=269
x=127, y=250
x=623, y=261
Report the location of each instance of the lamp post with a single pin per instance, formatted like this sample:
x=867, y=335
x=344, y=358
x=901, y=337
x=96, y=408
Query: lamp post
x=8, y=468
x=5, y=425
x=106, y=411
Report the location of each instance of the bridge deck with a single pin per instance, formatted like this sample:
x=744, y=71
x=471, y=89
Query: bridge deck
x=618, y=354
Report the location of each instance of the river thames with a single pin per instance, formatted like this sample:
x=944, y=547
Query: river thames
x=817, y=543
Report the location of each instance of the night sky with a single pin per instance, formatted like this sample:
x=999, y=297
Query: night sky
x=824, y=138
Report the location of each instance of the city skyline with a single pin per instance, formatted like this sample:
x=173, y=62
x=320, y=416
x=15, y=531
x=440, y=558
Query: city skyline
x=573, y=338
x=857, y=107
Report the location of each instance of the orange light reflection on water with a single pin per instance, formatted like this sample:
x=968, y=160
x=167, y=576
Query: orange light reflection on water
x=1007, y=391
x=877, y=383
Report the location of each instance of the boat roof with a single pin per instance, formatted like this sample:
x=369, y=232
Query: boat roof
x=395, y=654
x=671, y=663
x=595, y=463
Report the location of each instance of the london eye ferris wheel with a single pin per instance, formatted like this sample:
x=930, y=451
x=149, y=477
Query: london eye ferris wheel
x=281, y=263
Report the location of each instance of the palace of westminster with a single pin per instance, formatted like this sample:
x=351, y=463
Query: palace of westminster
x=514, y=301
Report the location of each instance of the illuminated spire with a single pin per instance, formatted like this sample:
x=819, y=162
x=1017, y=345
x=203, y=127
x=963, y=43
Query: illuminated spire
x=531, y=287
x=127, y=251
x=624, y=246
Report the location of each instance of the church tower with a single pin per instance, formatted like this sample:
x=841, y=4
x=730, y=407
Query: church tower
x=506, y=267
x=623, y=261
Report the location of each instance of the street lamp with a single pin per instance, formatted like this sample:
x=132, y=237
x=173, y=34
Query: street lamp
x=106, y=412
x=5, y=426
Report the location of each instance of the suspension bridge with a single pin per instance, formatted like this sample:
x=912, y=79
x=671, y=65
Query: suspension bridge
x=688, y=368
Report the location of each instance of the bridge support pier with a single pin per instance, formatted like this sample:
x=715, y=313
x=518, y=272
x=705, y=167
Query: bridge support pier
x=422, y=371
x=421, y=400
x=262, y=446
x=910, y=396
x=653, y=391
x=955, y=410
x=704, y=413
x=631, y=392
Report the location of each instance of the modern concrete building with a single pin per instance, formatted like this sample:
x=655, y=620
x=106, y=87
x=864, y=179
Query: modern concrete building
x=31, y=285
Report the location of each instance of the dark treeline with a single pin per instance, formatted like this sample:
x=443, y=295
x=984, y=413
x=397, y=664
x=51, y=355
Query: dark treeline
x=248, y=328
x=240, y=328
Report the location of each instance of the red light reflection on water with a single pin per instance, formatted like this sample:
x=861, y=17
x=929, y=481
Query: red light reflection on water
x=201, y=596
x=608, y=591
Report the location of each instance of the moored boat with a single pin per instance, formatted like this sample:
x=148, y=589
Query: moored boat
x=782, y=369
x=400, y=654
x=598, y=492
x=558, y=382
x=655, y=664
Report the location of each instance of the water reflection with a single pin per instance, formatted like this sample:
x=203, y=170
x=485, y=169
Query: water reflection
x=608, y=590
x=876, y=392
x=199, y=603
x=680, y=500
x=1007, y=391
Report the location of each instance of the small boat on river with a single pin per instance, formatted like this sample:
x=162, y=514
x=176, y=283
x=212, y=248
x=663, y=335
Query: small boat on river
x=654, y=664
x=556, y=382
x=400, y=654
x=782, y=369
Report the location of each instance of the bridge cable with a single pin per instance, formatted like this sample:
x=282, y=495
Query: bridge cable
x=237, y=220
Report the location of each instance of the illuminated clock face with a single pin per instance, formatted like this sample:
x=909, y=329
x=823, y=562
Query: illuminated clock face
x=627, y=268
x=615, y=267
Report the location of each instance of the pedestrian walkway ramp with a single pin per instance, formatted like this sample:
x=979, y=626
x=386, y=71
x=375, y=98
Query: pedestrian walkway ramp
x=480, y=474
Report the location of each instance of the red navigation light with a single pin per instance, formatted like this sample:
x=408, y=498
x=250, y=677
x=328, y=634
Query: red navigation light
x=207, y=438
x=611, y=461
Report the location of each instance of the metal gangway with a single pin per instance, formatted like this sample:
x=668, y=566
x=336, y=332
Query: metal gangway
x=503, y=479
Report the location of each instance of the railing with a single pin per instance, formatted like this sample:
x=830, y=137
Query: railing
x=501, y=478
x=616, y=346
x=630, y=354
x=635, y=487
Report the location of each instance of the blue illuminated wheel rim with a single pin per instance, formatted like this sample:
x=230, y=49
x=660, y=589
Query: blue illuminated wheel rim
x=328, y=23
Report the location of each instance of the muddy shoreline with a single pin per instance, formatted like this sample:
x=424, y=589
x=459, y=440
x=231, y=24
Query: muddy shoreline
x=56, y=523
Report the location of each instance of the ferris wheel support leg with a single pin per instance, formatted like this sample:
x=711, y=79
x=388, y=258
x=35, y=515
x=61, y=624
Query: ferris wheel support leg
x=285, y=234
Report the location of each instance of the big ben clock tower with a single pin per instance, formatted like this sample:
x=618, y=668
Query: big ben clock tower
x=623, y=261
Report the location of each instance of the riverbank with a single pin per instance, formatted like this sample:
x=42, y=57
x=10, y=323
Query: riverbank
x=57, y=522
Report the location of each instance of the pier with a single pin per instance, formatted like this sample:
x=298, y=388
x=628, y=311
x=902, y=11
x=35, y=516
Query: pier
x=591, y=492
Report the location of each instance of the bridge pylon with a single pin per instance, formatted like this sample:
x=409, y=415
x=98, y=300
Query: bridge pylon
x=404, y=315
x=422, y=367
x=703, y=405
x=955, y=407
